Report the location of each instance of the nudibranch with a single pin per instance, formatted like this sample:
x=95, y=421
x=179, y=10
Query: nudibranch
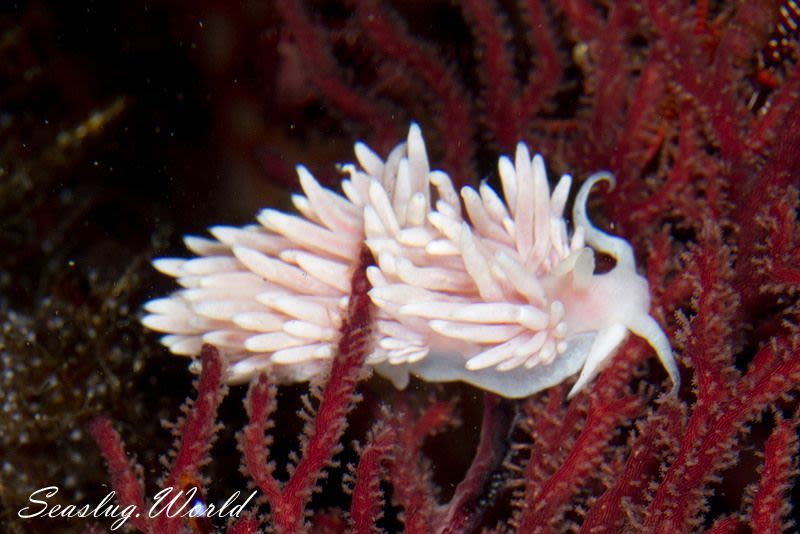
x=492, y=291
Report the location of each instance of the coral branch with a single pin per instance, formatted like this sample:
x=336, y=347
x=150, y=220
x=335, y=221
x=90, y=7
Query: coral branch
x=465, y=507
x=709, y=337
x=124, y=481
x=771, y=507
x=338, y=397
x=659, y=433
x=584, y=18
x=366, y=506
x=289, y=502
x=311, y=44
x=454, y=121
x=254, y=444
x=544, y=80
x=611, y=88
x=245, y=525
x=728, y=525
x=497, y=71
x=197, y=432
x=410, y=476
x=710, y=438
x=586, y=454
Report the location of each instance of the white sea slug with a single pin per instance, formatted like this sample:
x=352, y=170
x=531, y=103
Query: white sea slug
x=502, y=296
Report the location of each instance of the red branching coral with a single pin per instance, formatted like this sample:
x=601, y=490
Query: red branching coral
x=320, y=443
x=195, y=435
x=769, y=505
x=367, y=504
x=677, y=101
x=325, y=426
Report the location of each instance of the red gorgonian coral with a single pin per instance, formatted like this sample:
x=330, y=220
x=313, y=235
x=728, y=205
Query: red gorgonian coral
x=693, y=107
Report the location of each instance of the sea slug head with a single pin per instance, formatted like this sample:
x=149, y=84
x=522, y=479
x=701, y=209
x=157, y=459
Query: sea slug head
x=612, y=303
x=504, y=297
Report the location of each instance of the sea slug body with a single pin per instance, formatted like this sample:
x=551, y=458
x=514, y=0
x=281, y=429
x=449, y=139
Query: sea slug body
x=492, y=291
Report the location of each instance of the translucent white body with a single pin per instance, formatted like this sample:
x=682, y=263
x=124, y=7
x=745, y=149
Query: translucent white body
x=496, y=293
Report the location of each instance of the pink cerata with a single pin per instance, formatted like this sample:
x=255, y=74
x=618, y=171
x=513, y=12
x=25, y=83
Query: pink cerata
x=494, y=291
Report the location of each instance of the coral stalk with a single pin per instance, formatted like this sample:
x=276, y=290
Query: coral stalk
x=288, y=501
